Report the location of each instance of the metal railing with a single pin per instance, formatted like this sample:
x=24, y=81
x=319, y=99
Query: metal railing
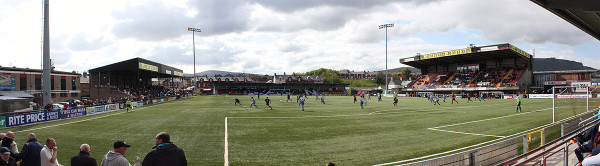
x=505, y=151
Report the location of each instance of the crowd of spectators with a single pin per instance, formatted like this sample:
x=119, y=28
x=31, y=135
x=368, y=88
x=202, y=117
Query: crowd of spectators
x=491, y=77
x=165, y=153
x=134, y=94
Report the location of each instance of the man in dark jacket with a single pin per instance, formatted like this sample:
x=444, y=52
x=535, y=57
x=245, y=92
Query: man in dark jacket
x=30, y=154
x=83, y=158
x=165, y=153
x=6, y=159
x=592, y=134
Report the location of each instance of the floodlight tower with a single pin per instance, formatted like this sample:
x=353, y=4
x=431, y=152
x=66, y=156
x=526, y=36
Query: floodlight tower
x=194, y=30
x=386, y=67
x=46, y=67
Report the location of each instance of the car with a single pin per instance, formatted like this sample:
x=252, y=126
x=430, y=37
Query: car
x=57, y=106
x=65, y=105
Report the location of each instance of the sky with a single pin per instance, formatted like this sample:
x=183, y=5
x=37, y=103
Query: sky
x=276, y=36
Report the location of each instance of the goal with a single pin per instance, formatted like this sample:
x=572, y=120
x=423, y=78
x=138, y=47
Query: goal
x=570, y=100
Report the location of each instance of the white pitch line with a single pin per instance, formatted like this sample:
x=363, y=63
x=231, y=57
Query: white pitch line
x=491, y=118
x=68, y=123
x=80, y=120
x=476, y=145
x=458, y=132
x=226, y=154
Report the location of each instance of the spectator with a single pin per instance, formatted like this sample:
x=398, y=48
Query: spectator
x=115, y=157
x=48, y=153
x=13, y=146
x=30, y=154
x=6, y=141
x=590, y=134
x=165, y=153
x=2, y=135
x=6, y=159
x=83, y=158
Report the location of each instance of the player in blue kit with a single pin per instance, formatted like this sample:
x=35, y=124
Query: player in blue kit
x=302, y=99
x=253, y=102
x=437, y=100
x=362, y=100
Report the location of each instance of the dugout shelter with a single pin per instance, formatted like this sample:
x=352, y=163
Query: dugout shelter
x=493, y=68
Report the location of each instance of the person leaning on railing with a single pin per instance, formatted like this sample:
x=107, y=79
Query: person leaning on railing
x=592, y=134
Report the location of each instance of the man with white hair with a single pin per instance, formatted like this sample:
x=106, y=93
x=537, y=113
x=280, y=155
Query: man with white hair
x=83, y=158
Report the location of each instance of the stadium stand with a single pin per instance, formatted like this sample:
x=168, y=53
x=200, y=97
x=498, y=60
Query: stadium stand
x=501, y=67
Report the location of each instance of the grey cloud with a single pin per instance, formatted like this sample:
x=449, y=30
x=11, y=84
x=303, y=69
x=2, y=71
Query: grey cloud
x=289, y=47
x=156, y=21
x=152, y=21
x=221, y=16
x=513, y=24
x=498, y=21
x=292, y=6
x=252, y=64
x=170, y=55
x=217, y=54
x=79, y=43
x=323, y=15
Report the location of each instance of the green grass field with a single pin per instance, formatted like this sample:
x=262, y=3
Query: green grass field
x=337, y=131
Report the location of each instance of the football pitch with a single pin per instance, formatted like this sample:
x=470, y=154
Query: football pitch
x=213, y=131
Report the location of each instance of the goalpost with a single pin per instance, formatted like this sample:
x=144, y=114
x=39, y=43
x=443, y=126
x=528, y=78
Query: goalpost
x=567, y=99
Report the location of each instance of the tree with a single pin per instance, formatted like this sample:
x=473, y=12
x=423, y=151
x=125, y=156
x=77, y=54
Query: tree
x=260, y=78
x=359, y=83
x=329, y=76
x=406, y=73
x=380, y=78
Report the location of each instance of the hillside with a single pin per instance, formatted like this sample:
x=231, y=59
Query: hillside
x=215, y=72
x=553, y=64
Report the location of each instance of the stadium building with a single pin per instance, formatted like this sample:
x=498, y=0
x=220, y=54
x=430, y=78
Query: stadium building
x=107, y=81
x=493, y=69
x=19, y=86
x=278, y=85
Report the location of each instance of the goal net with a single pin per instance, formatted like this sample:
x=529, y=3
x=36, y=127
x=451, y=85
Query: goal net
x=568, y=101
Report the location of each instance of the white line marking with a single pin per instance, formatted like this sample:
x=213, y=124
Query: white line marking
x=226, y=155
x=476, y=145
x=380, y=113
x=68, y=123
x=506, y=116
x=80, y=120
x=458, y=132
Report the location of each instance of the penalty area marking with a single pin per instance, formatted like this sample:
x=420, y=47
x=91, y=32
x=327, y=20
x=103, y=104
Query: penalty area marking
x=482, y=120
x=382, y=112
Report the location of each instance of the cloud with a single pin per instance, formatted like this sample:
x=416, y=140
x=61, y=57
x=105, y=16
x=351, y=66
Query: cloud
x=498, y=21
x=221, y=16
x=293, y=6
x=267, y=36
x=152, y=21
x=80, y=42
